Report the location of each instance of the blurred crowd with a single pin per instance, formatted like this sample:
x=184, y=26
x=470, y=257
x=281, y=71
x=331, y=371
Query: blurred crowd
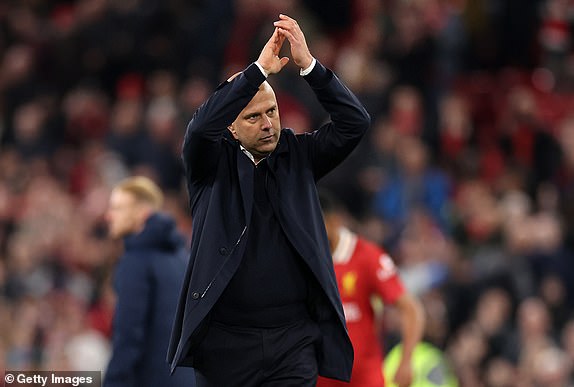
x=466, y=177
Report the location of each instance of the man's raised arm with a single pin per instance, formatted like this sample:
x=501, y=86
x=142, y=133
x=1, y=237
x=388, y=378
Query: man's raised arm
x=349, y=119
x=202, y=139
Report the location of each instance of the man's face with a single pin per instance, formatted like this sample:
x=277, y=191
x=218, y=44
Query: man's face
x=123, y=214
x=258, y=126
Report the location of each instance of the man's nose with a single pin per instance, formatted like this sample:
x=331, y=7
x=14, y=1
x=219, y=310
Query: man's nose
x=266, y=123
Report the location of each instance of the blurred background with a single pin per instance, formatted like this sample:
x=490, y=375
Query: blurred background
x=466, y=177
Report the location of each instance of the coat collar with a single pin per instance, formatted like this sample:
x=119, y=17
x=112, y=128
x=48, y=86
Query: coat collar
x=279, y=149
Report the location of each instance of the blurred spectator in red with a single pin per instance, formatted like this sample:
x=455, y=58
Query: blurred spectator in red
x=554, y=35
x=406, y=112
x=455, y=145
x=525, y=142
x=86, y=115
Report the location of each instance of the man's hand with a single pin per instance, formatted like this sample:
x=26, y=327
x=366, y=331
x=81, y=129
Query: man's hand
x=404, y=375
x=269, y=57
x=288, y=28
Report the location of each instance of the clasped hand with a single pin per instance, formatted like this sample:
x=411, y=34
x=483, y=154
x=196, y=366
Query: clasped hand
x=285, y=28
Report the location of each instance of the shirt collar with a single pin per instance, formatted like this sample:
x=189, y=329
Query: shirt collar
x=248, y=154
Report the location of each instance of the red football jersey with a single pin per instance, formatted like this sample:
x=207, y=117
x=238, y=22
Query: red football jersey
x=363, y=270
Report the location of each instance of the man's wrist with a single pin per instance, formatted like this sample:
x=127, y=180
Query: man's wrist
x=265, y=73
x=310, y=68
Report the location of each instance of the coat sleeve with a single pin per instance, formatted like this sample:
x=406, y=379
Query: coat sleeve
x=202, y=141
x=334, y=141
x=133, y=288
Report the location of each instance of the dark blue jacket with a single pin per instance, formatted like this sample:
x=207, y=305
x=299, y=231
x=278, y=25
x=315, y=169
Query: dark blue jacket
x=147, y=282
x=220, y=184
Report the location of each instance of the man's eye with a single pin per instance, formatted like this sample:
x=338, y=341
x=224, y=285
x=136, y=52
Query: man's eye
x=252, y=119
x=271, y=112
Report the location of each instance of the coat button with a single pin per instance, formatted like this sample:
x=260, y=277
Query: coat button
x=223, y=251
x=195, y=295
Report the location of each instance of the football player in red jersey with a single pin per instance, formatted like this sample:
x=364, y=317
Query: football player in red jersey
x=364, y=270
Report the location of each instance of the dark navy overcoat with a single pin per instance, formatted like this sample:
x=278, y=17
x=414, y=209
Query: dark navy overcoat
x=220, y=184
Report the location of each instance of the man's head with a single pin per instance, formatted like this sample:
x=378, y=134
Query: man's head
x=258, y=126
x=132, y=201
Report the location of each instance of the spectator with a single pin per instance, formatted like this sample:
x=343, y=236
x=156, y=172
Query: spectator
x=415, y=185
x=147, y=282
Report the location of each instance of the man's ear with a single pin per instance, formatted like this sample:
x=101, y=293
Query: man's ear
x=232, y=130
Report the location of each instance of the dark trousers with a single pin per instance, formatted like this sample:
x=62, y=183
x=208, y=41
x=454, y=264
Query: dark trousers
x=232, y=356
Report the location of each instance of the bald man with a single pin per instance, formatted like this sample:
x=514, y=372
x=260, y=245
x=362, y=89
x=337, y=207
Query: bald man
x=259, y=305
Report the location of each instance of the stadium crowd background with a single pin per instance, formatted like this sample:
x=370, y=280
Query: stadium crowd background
x=467, y=176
